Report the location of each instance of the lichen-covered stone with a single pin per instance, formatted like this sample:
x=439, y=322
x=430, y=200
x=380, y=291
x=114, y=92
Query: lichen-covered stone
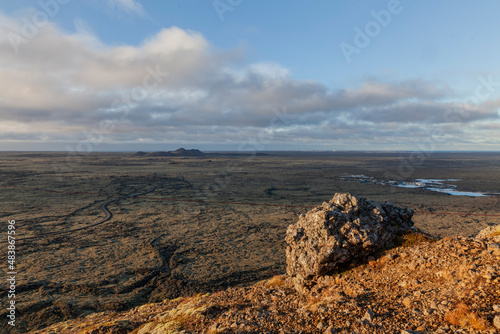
x=346, y=228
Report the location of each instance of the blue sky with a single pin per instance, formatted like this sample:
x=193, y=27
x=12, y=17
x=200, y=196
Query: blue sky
x=93, y=75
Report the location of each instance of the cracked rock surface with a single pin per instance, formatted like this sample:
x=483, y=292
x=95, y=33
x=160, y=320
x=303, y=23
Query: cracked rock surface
x=341, y=230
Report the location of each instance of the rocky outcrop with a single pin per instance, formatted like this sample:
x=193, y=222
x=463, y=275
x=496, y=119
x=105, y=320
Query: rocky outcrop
x=346, y=228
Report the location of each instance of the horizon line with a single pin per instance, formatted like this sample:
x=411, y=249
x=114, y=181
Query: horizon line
x=252, y=152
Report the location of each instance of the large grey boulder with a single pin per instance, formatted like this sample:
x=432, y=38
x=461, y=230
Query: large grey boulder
x=337, y=232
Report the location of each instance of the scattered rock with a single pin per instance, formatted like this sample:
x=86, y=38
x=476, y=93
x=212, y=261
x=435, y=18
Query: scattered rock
x=407, y=302
x=494, y=248
x=330, y=330
x=496, y=322
x=369, y=316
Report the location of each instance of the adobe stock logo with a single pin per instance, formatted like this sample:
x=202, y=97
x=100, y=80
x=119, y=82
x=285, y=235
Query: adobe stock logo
x=221, y=6
x=31, y=26
x=363, y=37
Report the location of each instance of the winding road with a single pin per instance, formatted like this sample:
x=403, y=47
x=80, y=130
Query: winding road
x=104, y=208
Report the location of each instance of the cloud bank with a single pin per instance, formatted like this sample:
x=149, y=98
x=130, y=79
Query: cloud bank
x=178, y=88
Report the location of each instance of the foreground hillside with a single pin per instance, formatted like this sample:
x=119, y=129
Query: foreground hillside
x=450, y=285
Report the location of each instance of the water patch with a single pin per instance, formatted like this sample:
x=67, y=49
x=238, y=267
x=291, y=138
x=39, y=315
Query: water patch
x=454, y=192
x=429, y=184
x=439, y=186
x=408, y=185
x=432, y=181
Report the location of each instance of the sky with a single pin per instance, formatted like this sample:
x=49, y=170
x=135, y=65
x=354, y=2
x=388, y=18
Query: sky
x=240, y=75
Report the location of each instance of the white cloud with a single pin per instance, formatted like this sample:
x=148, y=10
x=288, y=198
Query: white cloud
x=129, y=6
x=86, y=33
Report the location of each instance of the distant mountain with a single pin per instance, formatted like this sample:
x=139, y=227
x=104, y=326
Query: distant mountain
x=140, y=154
x=181, y=152
x=187, y=153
